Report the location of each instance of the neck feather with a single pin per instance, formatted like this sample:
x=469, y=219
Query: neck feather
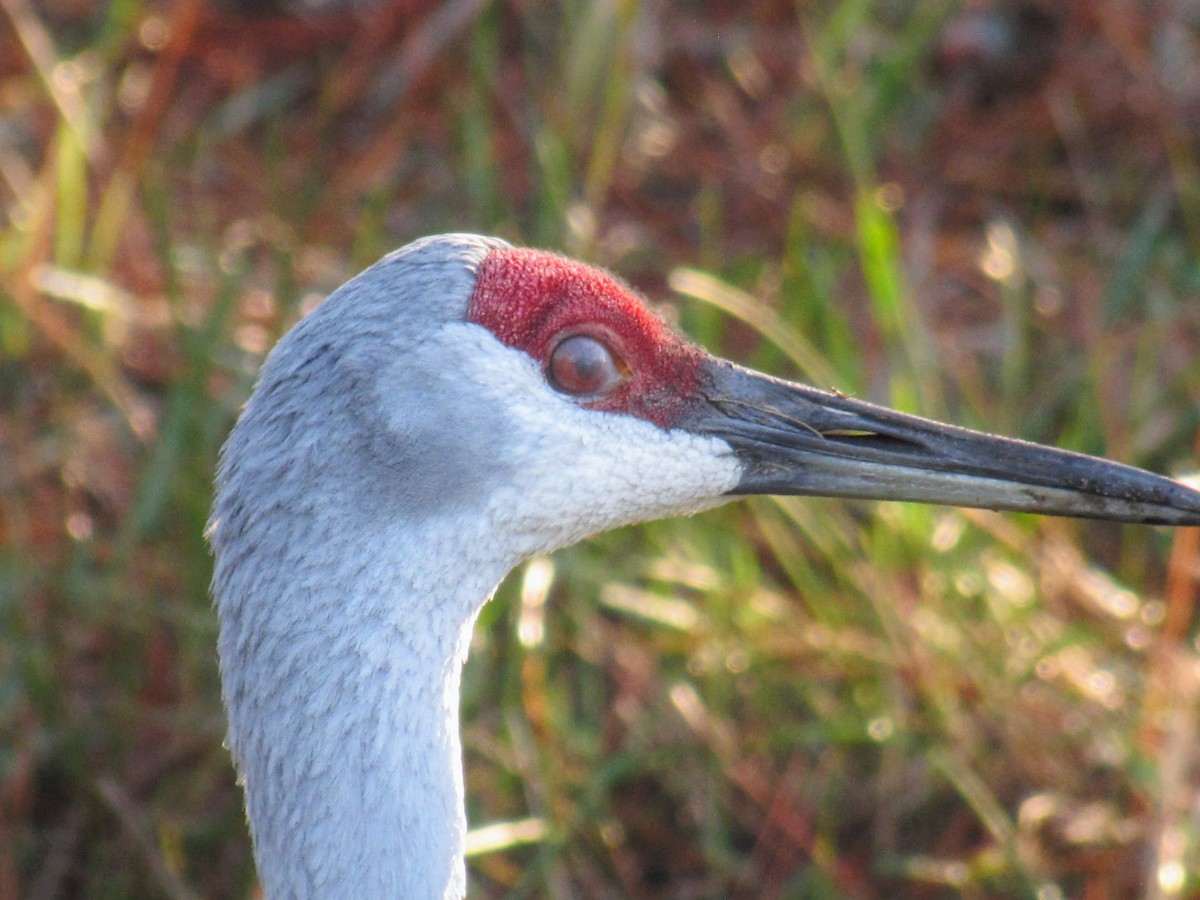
x=341, y=673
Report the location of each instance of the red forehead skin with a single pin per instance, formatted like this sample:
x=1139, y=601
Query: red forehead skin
x=531, y=300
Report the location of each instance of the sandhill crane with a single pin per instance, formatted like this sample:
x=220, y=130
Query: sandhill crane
x=461, y=406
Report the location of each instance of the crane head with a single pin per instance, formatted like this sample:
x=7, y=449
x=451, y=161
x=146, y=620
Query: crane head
x=541, y=398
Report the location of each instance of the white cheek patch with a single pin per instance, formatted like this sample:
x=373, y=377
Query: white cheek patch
x=573, y=471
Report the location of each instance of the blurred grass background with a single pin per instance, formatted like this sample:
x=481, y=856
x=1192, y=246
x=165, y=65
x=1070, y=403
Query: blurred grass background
x=986, y=211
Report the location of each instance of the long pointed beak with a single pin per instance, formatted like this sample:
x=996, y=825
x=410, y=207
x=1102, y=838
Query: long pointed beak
x=794, y=439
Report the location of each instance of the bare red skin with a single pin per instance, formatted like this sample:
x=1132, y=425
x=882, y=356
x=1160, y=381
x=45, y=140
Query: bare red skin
x=531, y=300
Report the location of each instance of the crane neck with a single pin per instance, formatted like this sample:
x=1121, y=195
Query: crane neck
x=341, y=670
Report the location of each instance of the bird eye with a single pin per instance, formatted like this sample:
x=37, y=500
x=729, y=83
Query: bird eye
x=582, y=365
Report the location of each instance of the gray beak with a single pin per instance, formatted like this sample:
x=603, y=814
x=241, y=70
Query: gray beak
x=794, y=439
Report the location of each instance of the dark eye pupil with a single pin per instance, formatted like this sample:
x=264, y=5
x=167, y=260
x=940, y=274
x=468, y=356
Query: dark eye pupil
x=583, y=365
